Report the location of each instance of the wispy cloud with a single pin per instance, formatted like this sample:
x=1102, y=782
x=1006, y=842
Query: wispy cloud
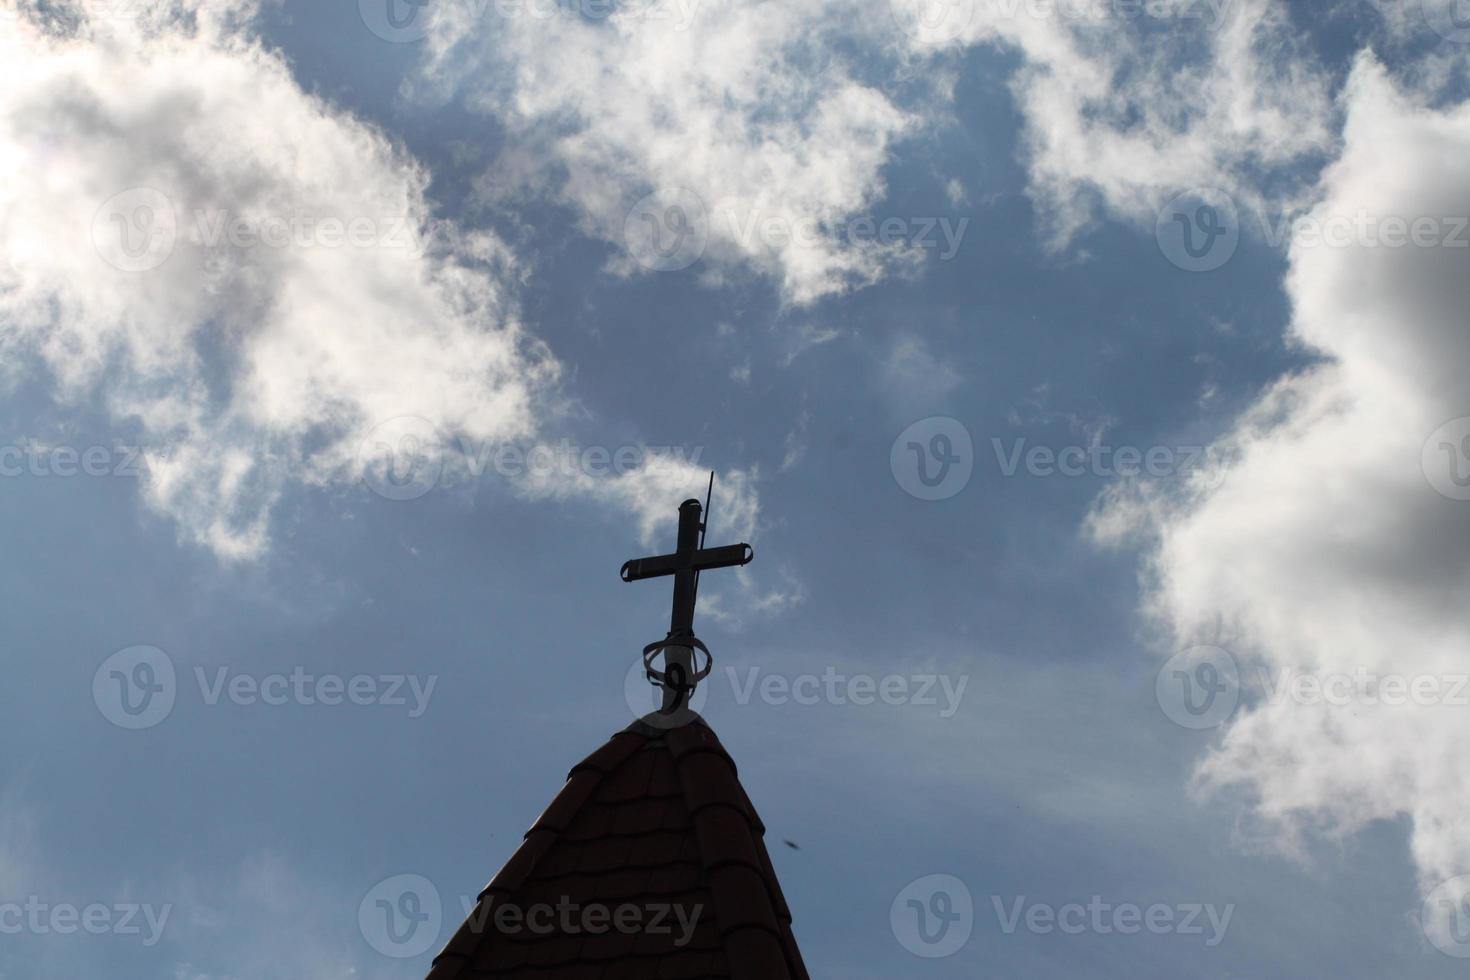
x=248, y=277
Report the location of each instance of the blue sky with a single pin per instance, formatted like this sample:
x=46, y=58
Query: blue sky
x=1289, y=526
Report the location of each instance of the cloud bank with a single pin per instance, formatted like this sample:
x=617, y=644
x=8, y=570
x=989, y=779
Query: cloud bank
x=1335, y=546
x=751, y=136
x=246, y=278
x=745, y=118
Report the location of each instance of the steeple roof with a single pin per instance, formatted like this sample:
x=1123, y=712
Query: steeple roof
x=650, y=863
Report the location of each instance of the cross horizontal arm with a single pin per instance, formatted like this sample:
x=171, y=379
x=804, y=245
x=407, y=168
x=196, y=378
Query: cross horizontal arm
x=726, y=557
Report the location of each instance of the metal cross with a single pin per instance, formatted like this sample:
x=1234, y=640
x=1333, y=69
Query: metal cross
x=689, y=559
x=685, y=564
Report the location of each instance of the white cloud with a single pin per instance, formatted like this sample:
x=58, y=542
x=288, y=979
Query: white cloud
x=1326, y=550
x=744, y=111
x=764, y=115
x=253, y=361
x=803, y=338
x=1121, y=112
x=246, y=277
x=913, y=379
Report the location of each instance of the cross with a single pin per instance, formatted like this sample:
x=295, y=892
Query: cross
x=685, y=564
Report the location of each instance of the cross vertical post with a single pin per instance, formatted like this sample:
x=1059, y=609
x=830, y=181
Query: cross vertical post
x=679, y=660
x=681, y=618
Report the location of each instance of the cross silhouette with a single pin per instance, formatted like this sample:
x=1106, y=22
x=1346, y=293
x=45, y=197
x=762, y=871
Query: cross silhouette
x=685, y=564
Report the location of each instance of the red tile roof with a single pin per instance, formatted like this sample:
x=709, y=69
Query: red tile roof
x=652, y=830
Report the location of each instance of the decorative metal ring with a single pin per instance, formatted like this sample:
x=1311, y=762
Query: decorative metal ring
x=660, y=678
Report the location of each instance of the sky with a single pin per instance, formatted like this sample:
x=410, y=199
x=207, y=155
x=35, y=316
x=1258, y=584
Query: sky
x=1087, y=377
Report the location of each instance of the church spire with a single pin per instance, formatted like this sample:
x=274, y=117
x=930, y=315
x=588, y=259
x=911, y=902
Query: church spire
x=651, y=862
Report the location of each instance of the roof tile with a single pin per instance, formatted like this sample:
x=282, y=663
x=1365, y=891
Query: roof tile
x=648, y=864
